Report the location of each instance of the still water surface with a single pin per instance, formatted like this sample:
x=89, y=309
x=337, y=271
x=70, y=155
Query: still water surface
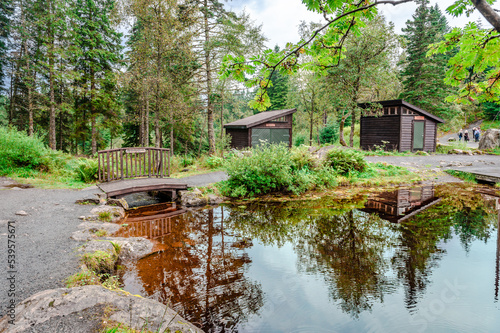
x=413, y=260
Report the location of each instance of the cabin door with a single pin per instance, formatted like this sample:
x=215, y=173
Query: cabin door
x=418, y=135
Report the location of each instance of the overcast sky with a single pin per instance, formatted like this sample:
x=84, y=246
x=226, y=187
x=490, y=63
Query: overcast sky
x=280, y=18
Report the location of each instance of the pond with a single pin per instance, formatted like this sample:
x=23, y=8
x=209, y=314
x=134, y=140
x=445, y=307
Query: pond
x=422, y=259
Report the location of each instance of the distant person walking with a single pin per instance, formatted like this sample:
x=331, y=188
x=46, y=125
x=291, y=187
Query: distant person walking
x=460, y=135
x=476, y=135
x=466, y=136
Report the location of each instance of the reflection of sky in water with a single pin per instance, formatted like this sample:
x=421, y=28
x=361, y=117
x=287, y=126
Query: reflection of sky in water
x=455, y=290
x=459, y=297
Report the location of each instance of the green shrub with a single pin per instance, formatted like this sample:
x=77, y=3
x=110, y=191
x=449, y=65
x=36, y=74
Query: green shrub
x=329, y=133
x=186, y=161
x=345, y=161
x=18, y=150
x=300, y=139
x=274, y=168
x=301, y=158
x=87, y=170
x=213, y=162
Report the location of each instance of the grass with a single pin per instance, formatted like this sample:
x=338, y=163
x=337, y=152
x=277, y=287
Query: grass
x=465, y=176
x=105, y=216
x=101, y=233
x=444, y=149
x=381, y=174
x=100, y=262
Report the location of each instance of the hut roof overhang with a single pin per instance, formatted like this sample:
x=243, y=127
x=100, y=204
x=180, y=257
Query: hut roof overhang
x=398, y=102
x=259, y=118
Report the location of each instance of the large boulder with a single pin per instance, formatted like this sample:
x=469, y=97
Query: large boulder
x=132, y=248
x=87, y=309
x=490, y=139
x=91, y=230
x=192, y=198
x=114, y=212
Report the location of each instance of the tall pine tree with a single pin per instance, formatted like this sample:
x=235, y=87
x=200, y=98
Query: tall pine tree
x=96, y=52
x=279, y=90
x=5, y=12
x=423, y=76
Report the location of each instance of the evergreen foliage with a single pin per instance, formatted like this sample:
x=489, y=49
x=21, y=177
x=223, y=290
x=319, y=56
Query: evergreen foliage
x=423, y=77
x=329, y=133
x=278, y=91
x=5, y=13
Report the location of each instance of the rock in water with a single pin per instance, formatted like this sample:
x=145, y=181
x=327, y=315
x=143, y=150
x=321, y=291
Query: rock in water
x=490, y=139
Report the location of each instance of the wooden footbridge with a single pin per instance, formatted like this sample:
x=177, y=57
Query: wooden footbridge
x=125, y=171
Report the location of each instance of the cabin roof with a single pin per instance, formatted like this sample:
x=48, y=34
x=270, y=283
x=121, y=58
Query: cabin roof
x=399, y=102
x=259, y=118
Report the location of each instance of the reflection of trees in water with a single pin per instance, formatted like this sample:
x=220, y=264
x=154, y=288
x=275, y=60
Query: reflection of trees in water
x=419, y=251
x=348, y=250
x=344, y=246
x=347, y=246
x=201, y=274
x=473, y=224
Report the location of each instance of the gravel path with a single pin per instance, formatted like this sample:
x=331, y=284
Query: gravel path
x=45, y=254
x=471, y=144
x=438, y=161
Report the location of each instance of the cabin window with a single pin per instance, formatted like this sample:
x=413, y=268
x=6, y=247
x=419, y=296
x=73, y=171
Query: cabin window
x=279, y=120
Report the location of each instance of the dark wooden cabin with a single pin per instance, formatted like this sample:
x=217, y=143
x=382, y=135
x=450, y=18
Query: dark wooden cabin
x=403, y=127
x=269, y=126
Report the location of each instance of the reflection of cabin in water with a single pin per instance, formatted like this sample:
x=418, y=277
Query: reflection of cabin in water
x=270, y=126
x=399, y=205
x=398, y=126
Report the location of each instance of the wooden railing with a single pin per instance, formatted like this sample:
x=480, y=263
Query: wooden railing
x=124, y=163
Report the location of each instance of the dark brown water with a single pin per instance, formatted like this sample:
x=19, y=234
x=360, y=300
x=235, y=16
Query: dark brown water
x=412, y=260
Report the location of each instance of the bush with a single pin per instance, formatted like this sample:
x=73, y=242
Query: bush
x=86, y=170
x=213, y=162
x=18, y=150
x=273, y=168
x=345, y=161
x=329, y=133
x=300, y=139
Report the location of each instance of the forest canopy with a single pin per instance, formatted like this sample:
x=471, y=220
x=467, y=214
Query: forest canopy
x=86, y=75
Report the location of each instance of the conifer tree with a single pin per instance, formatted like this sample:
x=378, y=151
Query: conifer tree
x=279, y=90
x=5, y=12
x=423, y=77
x=96, y=53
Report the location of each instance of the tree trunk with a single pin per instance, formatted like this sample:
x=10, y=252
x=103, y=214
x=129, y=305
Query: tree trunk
x=210, y=114
x=93, y=116
x=146, y=122
x=157, y=129
x=141, y=120
x=341, y=129
x=353, y=124
x=52, y=114
x=171, y=132
x=488, y=13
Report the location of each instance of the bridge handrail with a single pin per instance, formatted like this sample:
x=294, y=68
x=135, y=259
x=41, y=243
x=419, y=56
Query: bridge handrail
x=132, y=162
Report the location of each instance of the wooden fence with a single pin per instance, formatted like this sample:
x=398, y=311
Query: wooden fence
x=124, y=163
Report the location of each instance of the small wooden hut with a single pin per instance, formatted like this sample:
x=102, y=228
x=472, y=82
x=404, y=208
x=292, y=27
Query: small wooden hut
x=269, y=126
x=401, y=126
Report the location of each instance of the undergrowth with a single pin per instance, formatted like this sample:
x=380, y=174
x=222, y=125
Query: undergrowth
x=274, y=168
x=465, y=176
x=27, y=159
